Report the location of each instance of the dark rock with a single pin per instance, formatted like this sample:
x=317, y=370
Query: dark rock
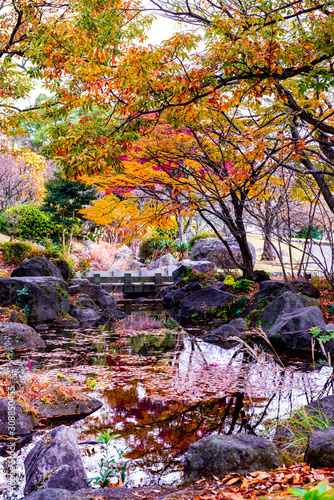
x=24, y=421
x=302, y=286
x=260, y=276
x=285, y=303
x=55, y=462
x=66, y=322
x=214, y=250
x=18, y=317
x=220, y=285
x=44, y=297
x=203, y=266
x=64, y=268
x=320, y=448
x=172, y=297
x=19, y=336
x=85, y=314
x=254, y=318
x=268, y=289
x=215, y=322
x=199, y=302
x=55, y=494
x=292, y=330
x=223, y=334
x=38, y=266
x=225, y=454
x=239, y=324
x=192, y=287
x=102, y=298
x=73, y=408
x=86, y=302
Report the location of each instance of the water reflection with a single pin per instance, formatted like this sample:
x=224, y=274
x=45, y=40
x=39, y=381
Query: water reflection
x=242, y=393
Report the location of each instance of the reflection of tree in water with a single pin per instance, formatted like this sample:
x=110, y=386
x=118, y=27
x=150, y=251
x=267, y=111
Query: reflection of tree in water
x=159, y=431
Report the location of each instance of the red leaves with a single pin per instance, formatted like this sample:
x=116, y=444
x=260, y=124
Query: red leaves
x=257, y=484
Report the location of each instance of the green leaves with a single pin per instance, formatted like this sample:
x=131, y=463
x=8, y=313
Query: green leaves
x=320, y=492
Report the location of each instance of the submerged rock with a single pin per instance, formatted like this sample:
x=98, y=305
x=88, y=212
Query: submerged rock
x=74, y=408
x=55, y=462
x=225, y=454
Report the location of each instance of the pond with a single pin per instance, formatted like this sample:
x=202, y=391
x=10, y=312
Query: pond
x=164, y=389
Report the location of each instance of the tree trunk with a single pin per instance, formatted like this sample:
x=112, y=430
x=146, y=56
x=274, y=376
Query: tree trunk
x=268, y=253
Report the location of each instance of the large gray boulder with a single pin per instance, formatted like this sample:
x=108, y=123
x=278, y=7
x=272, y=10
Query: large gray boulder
x=286, y=303
x=55, y=462
x=43, y=297
x=214, y=250
x=20, y=336
x=320, y=448
x=292, y=330
x=224, y=454
x=163, y=261
x=38, y=266
x=23, y=423
x=102, y=298
x=202, y=266
x=197, y=303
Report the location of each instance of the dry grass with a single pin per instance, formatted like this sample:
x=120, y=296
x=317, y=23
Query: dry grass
x=139, y=321
x=104, y=255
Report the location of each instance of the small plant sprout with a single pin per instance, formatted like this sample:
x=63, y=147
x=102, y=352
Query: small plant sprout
x=109, y=467
x=321, y=491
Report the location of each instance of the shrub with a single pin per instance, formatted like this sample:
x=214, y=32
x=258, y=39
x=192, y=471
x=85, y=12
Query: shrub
x=13, y=253
x=29, y=221
x=204, y=234
x=146, y=247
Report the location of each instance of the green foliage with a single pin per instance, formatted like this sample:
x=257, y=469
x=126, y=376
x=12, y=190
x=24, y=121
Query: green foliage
x=319, y=492
x=204, y=234
x=292, y=432
x=243, y=286
x=171, y=233
x=109, y=467
x=64, y=200
x=229, y=311
x=83, y=267
x=320, y=335
x=146, y=247
x=330, y=308
x=13, y=253
x=28, y=222
x=305, y=232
